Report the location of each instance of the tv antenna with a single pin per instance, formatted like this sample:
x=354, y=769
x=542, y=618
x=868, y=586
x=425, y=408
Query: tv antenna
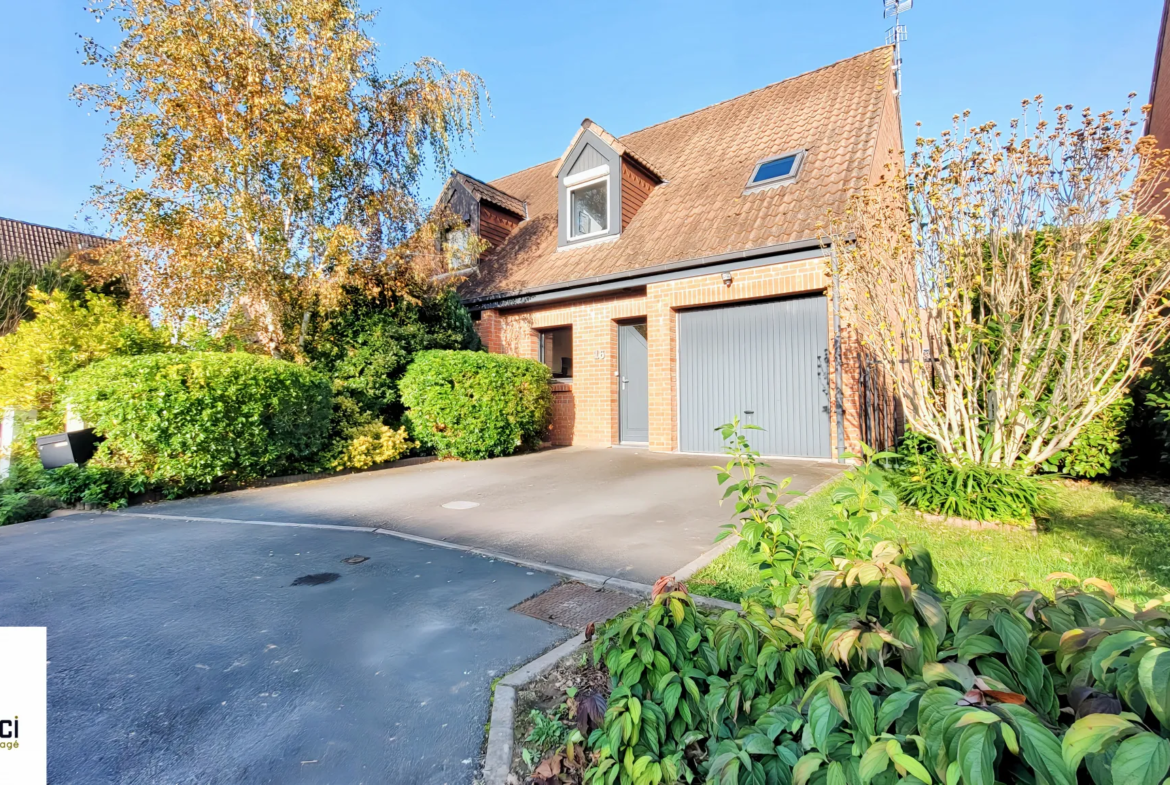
x=896, y=35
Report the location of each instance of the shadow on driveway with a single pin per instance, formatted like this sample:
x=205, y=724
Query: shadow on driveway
x=619, y=512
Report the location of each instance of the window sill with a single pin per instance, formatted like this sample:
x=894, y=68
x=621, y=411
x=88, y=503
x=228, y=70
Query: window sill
x=588, y=242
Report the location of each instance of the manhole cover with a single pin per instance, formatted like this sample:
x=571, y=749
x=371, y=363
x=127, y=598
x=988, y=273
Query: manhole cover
x=460, y=505
x=574, y=605
x=316, y=579
x=355, y=559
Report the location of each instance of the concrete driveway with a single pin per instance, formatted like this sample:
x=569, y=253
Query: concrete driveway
x=182, y=652
x=624, y=513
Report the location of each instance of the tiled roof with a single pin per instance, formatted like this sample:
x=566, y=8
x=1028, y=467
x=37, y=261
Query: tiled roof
x=481, y=190
x=832, y=113
x=42, y=245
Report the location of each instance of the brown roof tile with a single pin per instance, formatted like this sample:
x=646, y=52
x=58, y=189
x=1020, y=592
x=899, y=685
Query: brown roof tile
x=42, y=245
x=832, y=113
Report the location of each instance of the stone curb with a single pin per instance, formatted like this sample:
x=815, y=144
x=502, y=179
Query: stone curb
x=497, y=761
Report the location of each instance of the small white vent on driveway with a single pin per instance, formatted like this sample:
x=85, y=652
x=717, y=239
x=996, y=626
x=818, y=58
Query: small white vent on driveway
x=460, y=505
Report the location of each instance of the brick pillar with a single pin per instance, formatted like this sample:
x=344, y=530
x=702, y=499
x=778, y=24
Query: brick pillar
x=661, y=337
x=491, y=331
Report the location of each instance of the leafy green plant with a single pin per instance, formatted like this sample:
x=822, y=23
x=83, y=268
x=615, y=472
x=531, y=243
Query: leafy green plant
x=67, y=335
x=868, y=675
x=763, y=522
x=102, y=486
x=20, y=507
x=366, y=343
x=1099, y=449
x=474, y=405
x=547, y=732
x=927, y=482
x=862, y=507
x=187, y=421
x=366, y=445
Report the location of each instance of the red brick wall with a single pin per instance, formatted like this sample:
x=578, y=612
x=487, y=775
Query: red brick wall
x=595, y=321
x=564, y=415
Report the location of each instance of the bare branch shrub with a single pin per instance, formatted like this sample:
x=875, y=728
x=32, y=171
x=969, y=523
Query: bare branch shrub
x=1012, y=284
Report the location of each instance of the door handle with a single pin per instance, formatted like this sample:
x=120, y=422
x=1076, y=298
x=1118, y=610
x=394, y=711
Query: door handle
x=749, y=411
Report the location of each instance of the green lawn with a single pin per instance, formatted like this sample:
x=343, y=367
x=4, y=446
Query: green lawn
x=1092, y=532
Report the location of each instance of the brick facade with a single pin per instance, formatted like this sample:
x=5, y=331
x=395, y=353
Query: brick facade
x=586, y=410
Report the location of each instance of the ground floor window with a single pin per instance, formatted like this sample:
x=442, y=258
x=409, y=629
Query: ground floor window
x=556, y=351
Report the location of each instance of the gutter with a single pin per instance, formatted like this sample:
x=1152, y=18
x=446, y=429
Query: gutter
x=797, y=249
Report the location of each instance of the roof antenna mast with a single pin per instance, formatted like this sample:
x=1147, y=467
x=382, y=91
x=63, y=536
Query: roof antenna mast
x=896, y=35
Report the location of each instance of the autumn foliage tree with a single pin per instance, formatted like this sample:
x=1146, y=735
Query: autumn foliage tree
x=267, y=157
x=1012, y=285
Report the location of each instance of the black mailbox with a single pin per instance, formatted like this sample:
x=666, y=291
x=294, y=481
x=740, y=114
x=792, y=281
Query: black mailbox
x=62, y=449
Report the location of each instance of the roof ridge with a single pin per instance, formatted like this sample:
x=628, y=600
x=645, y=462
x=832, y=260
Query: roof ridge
x=758, y=89
x=56, y=228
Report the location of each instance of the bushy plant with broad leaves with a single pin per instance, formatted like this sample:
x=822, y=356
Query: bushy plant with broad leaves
x=869, y=675
x=474, y=405
x=762, y=521
x=1100, y=448
x=66, y=335
x=366, y=343
x=20, y=507
x=862, y=505
x=369, y=444
x=188, y=421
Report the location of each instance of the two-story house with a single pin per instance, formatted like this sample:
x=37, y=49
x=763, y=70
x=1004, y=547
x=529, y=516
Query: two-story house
x=675, y=277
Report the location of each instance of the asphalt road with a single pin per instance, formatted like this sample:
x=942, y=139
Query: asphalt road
x=184, y=653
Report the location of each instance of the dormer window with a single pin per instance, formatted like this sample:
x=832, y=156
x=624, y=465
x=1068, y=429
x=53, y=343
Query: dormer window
x=776, y=170
x=588, y=194
x=457, y=246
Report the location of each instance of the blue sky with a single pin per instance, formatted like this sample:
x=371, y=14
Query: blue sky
x=626, y=65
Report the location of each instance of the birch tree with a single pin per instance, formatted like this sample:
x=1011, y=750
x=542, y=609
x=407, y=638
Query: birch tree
x=257, y=153
x=1012, y=284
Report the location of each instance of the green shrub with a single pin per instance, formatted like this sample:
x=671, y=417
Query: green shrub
x=474, y=405
x=925, y=480
x=867, y=674
x=367, y=445
x=1099, y=448
x=20, y=507
x=365, y=345
x=1148, y=434
x=94, y=484
x=67, y=335
x=187, y=421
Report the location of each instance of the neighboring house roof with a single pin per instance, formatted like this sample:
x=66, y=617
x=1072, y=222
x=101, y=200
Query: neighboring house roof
x=706, y=157
x=484, y=192
x=42, y=245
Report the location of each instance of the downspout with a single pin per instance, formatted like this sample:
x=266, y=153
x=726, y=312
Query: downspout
x=838, y=360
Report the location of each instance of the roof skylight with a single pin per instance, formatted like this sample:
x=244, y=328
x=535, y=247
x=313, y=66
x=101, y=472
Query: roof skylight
x=776, y=169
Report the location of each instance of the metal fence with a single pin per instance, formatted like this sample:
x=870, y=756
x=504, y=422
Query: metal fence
x=882, y=422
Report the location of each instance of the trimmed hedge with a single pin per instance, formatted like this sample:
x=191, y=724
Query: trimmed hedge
x=473, y=405
x=187, y=421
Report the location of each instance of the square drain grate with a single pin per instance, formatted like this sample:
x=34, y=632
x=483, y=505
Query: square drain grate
x=574, y=605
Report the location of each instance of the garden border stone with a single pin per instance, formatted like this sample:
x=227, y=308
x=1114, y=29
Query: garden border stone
x=497, y=759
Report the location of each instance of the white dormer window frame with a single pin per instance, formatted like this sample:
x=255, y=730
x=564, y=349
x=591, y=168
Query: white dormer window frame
x=579, y=181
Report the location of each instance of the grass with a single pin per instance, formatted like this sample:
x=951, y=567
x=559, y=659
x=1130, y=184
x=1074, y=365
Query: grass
x=1090, y=532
